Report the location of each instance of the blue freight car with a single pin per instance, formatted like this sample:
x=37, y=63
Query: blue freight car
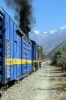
x=18, y=54
x=35, y=62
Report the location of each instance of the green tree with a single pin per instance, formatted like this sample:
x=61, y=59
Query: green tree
x=59, y=57
x=41, y=54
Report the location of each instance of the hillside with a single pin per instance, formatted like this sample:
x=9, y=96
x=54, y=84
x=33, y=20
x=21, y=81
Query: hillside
x=49, y=40
x=59, y=46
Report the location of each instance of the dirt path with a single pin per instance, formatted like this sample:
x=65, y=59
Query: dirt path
x=48, y=83
x=58, y=83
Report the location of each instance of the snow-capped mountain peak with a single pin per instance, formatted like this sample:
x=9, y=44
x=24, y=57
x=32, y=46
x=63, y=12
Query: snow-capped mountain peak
x=37, y=32
x=49, y=40
x=52, y=31
x=63, y=28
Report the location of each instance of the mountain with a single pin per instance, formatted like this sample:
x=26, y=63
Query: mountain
x=49, y=40
x=63, y=44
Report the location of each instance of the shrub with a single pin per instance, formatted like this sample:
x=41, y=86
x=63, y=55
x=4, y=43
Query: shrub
x=59, y=57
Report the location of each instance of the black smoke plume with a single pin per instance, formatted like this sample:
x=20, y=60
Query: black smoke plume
x=23, y=13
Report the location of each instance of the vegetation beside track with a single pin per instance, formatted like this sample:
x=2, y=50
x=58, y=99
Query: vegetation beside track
x=58, y=57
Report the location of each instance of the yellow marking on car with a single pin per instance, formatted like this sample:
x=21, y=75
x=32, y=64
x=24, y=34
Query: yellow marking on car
x=13, y=61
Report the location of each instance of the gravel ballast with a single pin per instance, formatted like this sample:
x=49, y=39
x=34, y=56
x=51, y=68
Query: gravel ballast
x=34, y=87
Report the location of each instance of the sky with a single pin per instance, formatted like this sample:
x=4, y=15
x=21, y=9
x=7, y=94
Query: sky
x=49, y=14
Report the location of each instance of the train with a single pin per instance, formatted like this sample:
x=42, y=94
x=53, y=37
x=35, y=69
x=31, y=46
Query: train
x=18, y=53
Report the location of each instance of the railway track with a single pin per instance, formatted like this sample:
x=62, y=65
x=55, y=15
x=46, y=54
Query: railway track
x=4, y=88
